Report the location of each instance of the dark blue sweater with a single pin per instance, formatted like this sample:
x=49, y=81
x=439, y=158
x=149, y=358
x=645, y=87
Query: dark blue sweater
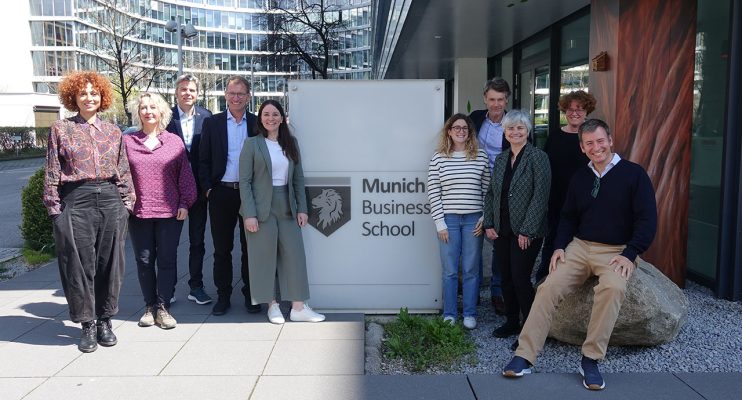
x=624, y=211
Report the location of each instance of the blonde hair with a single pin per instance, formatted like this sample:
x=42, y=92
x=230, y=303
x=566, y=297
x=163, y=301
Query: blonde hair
x=165, y=112
x=445, y=143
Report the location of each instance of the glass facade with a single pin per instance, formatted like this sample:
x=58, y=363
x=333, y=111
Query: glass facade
x=710, y=82
x=232, y=39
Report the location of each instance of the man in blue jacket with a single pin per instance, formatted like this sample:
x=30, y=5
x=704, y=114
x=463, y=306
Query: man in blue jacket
x=609, y=217
x=188, y=119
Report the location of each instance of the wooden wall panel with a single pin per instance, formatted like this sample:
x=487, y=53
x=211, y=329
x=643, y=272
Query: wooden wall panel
x=653, y=110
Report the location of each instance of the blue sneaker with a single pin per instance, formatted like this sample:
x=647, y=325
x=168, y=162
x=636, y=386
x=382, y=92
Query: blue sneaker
x=517, y=367
x=591, y=377
x=199, y=296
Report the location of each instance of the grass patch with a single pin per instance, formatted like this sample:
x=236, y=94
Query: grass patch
x=36, y=257
x=422, y=343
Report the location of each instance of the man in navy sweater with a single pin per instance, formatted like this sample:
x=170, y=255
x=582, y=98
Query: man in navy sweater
x=609, y=217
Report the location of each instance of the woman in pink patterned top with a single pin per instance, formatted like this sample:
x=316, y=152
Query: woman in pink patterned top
x=87, y=191
x=165, y=189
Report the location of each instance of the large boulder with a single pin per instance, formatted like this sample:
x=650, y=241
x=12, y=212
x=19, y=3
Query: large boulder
x=653, y=312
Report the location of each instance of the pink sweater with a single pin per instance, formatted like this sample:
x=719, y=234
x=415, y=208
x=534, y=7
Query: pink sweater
x=163, y=180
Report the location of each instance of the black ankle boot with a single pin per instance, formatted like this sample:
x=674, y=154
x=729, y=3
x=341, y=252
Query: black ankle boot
x=105, y=334
x=88, y=342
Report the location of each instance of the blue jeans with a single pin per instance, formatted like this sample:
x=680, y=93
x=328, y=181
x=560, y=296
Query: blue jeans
x=465, y=248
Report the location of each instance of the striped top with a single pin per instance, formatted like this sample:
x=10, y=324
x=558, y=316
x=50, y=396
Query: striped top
x=457, y=185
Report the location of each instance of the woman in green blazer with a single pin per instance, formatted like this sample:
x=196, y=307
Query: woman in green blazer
x=274, y=207
x=515, y=216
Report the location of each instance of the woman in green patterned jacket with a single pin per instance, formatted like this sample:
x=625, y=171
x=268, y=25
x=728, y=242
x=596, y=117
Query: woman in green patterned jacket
x=515, y=216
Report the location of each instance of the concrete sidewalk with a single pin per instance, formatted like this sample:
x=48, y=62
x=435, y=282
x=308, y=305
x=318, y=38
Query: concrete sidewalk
x=243, y=356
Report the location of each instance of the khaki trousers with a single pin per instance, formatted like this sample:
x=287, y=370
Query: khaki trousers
x=583, y=259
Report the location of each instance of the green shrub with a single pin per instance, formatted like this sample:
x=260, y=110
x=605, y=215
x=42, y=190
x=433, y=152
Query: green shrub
x=36, y=226
x=423, y=342
x=36, y=257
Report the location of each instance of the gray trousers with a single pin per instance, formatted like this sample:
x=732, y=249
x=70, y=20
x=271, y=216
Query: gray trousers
x=276, y=254
x=90, y=234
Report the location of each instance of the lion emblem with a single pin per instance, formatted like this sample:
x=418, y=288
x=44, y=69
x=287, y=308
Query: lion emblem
x=330, y=204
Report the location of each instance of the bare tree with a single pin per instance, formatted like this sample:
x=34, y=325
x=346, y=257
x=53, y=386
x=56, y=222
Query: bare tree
x=308, y=29
x=131, y=66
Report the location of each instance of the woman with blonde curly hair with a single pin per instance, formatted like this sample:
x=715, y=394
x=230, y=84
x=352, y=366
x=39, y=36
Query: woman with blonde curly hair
x=87, y=192
x=458, y=177
x=166, y=189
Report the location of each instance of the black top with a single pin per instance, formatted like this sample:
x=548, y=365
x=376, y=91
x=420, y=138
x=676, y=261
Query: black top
x=623, y=212
x=505, y=228
x=565, y=157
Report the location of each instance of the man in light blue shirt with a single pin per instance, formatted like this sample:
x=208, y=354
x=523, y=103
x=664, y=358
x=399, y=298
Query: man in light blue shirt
x=490, y=134
x=221, y=144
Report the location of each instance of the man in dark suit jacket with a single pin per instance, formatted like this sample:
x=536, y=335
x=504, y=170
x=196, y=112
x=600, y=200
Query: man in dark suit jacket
x=188, y=119
x=492, y=140
x=219, y=155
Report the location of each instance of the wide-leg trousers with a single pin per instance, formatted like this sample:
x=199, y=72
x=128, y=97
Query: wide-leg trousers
x=583, y=259
x=276, y=253
x=90, y=234
x=155, y=242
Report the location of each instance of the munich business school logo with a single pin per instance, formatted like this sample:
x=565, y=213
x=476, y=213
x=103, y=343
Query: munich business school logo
x=329, y=203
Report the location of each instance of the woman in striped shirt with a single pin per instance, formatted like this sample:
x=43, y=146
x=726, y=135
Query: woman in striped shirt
x=458, y=178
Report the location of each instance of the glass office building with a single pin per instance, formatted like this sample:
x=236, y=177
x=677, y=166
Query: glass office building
x=232, y=39
x=669, y=89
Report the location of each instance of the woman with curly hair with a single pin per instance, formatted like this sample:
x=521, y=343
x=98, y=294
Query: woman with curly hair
x=565, y=157
x=88, y=193
x=458, y=177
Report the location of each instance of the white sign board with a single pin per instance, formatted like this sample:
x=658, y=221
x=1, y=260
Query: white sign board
x=365, y=148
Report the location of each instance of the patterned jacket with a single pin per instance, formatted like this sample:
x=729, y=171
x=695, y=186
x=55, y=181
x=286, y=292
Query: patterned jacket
x=529, y=193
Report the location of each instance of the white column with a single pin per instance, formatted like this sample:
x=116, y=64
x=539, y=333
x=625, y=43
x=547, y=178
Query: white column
x=469, y=77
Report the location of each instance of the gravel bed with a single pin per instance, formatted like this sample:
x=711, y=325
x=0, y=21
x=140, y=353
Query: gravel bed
x=711, y=341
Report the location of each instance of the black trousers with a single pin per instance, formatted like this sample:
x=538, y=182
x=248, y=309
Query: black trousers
x=197, y=216
x=155, y=242
x=516, y=266
x=224, y=214
x=548, y=249
x=90, y=235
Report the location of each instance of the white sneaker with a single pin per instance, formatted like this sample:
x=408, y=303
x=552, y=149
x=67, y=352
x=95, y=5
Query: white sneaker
x=306, y=315
x=470, y=322
x=450, y=320
x=274, y=314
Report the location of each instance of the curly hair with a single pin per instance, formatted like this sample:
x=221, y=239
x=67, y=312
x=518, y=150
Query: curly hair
x=583, y=98
x=75, y=82
x=445, y=143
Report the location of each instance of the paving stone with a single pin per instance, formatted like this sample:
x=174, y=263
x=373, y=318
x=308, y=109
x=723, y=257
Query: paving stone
x=714, y=385
x=428, y=387
x=316, y=357
x=58, y=331
x=335, y=327
x=156, y=387
x=25, y=360
x=220, y=358
x=14, y=323
x=16, y=388
x=124, y=359
x=129, y=330
x=230, y=327
x=655, y=386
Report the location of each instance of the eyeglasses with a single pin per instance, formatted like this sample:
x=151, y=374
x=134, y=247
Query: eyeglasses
x=460, y=128
x=596, y=187
x=233, y=94
x=575, y=111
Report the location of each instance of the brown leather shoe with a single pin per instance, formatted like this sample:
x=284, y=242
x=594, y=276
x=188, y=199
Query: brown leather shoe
x=499, y=305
